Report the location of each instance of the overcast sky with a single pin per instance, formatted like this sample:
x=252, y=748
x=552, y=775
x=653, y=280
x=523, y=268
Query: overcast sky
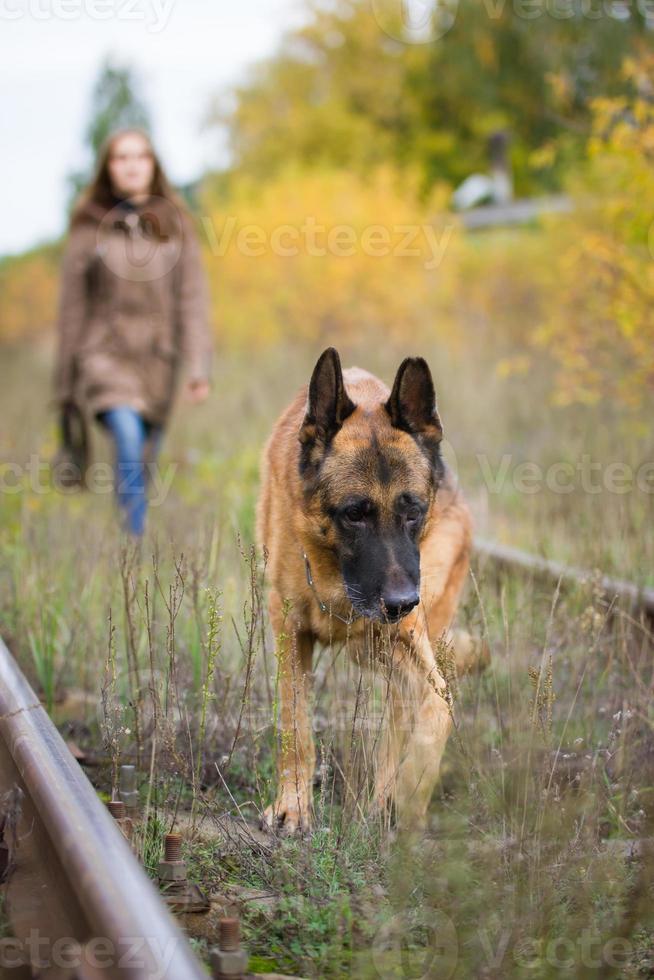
x=50, y=51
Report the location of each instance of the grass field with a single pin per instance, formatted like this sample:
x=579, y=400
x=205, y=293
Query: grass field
x=538, y=859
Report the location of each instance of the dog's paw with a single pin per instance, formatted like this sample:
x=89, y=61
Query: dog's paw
x=472, y=653
x=380, y=803
x=286, y=816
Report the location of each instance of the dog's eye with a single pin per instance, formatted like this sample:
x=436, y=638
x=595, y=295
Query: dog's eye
x=410, y=511
x=355, y=514
x=413, y=516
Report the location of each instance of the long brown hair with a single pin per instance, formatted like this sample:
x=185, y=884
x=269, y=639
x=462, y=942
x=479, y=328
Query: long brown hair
x=99, y=192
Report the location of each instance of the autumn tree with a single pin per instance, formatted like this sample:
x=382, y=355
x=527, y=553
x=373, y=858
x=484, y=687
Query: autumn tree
x=115, y=102
x=345, y=89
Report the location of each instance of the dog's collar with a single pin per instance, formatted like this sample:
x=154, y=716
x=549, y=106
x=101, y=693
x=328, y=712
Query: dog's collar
x=323, y=605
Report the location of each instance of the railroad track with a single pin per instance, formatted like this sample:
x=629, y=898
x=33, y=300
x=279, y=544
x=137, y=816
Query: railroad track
x=636, y=599
x=79, y=904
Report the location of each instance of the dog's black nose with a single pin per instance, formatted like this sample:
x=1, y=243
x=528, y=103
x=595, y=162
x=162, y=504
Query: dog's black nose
x=398, y=604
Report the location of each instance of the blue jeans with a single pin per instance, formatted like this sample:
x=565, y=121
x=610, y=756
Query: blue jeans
x=131, y=432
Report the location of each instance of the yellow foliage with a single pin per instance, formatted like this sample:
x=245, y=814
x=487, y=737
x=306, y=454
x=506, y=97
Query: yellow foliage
x=314, y=256
x=599, y=320
x=507, y=366
x=28, y=294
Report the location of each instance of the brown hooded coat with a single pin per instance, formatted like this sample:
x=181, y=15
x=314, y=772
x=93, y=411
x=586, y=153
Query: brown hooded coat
x=133, y=303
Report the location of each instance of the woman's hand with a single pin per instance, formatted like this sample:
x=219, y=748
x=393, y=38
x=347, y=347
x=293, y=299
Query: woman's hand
x=197, y=390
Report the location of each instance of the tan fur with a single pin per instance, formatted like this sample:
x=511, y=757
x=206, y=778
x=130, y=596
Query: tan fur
x=288, y=526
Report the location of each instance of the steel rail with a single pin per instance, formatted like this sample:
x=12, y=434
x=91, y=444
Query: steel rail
x=635, y=597
x=71, y=877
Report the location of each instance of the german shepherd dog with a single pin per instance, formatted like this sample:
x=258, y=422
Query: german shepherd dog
x=367, y=536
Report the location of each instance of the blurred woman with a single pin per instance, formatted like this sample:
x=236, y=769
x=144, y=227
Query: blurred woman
x=133, y=310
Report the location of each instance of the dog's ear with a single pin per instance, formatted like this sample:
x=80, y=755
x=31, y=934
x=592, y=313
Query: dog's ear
x=412, y=403
x=412, y=408
x=328, y=406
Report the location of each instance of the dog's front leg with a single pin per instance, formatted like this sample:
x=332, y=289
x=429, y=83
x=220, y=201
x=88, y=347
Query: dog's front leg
x=297, y=758
x=391, y=739
x=421, y=722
